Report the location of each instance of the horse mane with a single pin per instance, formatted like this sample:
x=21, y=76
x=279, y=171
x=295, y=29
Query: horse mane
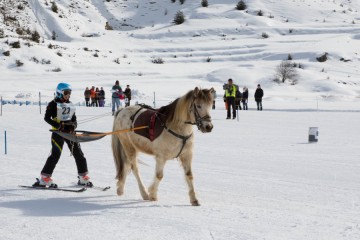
x=178, y=110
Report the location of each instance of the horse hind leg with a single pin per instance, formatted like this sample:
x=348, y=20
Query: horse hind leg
x=159, y=174
x=121, y=162
x=136, y=173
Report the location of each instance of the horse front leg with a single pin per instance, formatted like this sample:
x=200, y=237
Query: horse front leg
x=159, y=174
x=186, y=163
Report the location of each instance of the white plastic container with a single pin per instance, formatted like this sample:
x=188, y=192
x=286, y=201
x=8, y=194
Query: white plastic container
x=313, y=134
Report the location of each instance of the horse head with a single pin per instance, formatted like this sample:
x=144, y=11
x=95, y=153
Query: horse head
x=200, y=109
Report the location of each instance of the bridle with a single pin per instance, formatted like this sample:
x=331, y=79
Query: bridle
x=198, y=119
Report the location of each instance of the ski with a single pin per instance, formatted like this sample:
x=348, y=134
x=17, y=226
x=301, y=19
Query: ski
x=99, y=188
x=93, y=187
x=56, y=189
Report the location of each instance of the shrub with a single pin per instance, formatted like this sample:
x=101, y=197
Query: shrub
x=96, y=55
x=50, y=46
x=19, y=31
x=19, y=63
x=264, y=35
x=322, y=58
x=53, y=36
x=241, y=5
x=158, y=60
x=289, y=57
x=208, y=59
x=286, y=70
x=34, y=59
x=6, y=53
x=2, y=34
x=204, y=3
x=56, y=69
x=179, y=18
x=35, y=36
x=173, y=1
x=182, y=2
x=108, y=26
x=54, y=7
x=260, y=13
x=59, y=54
x=15, y=44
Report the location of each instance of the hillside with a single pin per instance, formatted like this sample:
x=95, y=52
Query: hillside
x=213, y=44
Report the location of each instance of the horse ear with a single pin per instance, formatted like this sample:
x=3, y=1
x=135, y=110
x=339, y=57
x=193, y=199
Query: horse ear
x=212, y=90
x=196, y=92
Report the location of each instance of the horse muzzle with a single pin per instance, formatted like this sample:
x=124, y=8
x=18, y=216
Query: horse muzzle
x=205, y=128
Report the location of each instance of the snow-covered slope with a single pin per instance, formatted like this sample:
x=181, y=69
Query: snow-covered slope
x=213, y=44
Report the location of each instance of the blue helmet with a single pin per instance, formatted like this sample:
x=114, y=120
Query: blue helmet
x=61, y=87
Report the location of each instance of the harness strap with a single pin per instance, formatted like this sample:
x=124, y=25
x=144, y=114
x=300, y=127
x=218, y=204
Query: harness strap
x=152, y=127
x=183, y=138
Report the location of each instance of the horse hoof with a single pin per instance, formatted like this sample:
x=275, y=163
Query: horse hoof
x=195, y=203
x=120, y=192
x=145, y=197
x=153, y=199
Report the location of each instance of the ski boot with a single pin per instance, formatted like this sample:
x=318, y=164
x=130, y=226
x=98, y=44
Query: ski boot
x=85, y=181
x=45, y=181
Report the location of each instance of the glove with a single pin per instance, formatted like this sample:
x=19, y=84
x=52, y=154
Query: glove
x=70, y=127
x=61, y=127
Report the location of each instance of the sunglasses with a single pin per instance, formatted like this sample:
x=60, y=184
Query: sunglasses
x=67, y=92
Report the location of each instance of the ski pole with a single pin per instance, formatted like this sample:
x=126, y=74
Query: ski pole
x=5, y=144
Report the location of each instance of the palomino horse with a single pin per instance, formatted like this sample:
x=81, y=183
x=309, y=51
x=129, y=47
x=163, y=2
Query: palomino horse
x=169, y=135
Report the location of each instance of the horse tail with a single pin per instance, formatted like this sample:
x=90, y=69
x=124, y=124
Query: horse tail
x=119, y=155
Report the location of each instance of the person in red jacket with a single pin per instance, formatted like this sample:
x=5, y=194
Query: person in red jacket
x=60, y=114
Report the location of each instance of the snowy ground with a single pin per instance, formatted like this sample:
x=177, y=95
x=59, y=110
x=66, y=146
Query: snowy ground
x=256, y=178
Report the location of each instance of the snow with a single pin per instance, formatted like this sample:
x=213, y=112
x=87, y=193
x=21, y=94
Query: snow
x=256, y=177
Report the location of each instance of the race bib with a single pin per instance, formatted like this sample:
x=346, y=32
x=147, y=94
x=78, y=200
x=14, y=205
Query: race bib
x=65, y=111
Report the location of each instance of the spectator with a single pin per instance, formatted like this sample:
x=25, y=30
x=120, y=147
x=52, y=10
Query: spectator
x=101, y=96
x=93, y=96
x=230, y=92
x=245, y=97
x=127, y=93
x=116, y=92
x=214, y=98
x=87, y=96
x=97, y=91
x=259, y=93
x=238, y=96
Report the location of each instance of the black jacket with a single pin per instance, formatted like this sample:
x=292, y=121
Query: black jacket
x=51, y=113
x=127, y=93
x=259, y=93
x=245, y=95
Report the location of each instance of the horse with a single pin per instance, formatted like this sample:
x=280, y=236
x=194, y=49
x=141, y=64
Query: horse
x=168, y=135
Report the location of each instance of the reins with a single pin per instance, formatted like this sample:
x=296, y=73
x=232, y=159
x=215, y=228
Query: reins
x=111, y=133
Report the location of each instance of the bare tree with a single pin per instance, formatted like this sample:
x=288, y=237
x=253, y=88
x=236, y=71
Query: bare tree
x=286, y=70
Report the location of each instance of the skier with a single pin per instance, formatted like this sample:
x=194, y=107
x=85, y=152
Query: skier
x=60, y=114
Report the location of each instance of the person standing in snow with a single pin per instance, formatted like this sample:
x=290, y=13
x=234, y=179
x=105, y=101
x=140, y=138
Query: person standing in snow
x=101, y=96
x=230, y=92
x=116, y=93
x=127, y=93
x=60, y=114
x=245, y=97
x=259, y=93
x=87, y=96
x=214, y=97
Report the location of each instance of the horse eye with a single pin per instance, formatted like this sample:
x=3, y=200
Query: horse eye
x=198, y=106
